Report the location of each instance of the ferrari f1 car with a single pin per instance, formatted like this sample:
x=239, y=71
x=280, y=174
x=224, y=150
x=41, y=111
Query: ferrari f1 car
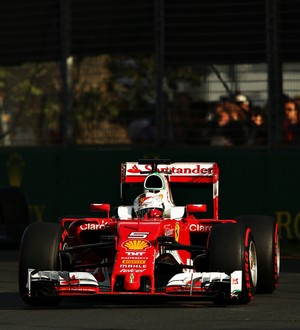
x=152, y=246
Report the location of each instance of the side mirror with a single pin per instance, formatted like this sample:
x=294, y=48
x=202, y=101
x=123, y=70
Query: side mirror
x=100, y=208
x=194, y=208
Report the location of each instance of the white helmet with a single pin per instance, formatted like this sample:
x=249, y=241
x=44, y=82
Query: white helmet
x=149, y=205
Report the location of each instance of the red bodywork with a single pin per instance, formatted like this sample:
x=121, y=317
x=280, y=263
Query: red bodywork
x=139, y=255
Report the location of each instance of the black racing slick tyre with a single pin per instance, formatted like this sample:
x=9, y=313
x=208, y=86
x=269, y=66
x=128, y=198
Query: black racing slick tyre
x=14, y=216
x=39, y=250
x=232, y=248
x=266, y=235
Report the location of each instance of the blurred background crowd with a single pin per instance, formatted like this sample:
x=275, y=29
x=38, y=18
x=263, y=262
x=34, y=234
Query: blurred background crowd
x=113, y=102
x=232, y=121
x=172, y=73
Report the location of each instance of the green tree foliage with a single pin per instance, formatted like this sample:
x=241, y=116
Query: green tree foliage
x=107, y=93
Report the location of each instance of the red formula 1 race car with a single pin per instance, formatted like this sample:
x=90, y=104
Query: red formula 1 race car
x=151, y=246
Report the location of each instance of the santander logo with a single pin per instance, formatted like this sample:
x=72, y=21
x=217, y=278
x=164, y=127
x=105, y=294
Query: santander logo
x=203, y=169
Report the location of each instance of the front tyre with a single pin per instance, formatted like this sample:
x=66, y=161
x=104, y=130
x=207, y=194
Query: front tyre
x=39, y=250
x=266, y=235
x=231, y=248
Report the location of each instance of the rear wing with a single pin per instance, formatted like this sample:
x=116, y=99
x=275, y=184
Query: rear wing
x=185, y=172
x=179, y=172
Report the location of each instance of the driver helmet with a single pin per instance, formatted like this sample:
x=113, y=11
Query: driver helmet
x=149, y=205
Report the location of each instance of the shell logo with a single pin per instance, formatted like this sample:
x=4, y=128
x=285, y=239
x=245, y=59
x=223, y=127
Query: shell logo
x=136, y=245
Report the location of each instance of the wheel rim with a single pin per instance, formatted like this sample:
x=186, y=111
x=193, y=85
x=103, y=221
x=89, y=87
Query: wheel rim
x=253, y=263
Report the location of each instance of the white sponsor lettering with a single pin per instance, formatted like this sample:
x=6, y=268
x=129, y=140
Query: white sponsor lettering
x=132, y=253
x=134, y=258
x=198, y=227
x=138, y=234
x=169, y=232
x=177, y=169
x=94, y=226
x=132, y=266
x=132, y=270
x=196, y=169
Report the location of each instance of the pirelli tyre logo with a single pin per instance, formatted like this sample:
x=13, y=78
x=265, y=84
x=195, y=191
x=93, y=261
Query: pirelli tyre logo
x=133, y=262
x=136, y=245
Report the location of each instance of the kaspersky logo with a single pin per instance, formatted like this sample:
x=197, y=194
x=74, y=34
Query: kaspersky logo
x=136, y=245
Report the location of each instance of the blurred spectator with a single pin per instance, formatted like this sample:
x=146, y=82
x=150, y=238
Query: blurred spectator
x=258, y=132
x=291, y=123
x=227, y=128
x=182, y=118
x=237, y=112
x=297, y=100
x=245, y=105
x=141, y=129
x=221, y=131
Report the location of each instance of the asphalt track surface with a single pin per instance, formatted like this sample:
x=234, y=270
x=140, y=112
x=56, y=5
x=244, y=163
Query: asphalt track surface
x=281, y=310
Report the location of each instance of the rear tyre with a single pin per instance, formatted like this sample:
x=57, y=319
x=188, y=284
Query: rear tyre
x=14, y=216
x=39, y=250
x=231, y=248
x=266, y=236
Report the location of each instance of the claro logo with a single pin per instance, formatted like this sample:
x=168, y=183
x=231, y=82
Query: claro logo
x=199, y=228
x=94, y=226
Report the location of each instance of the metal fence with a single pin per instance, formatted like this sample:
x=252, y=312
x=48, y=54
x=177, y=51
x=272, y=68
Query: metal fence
x=178, y=94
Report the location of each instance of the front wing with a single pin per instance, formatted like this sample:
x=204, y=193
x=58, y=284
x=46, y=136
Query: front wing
x=203, y=285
